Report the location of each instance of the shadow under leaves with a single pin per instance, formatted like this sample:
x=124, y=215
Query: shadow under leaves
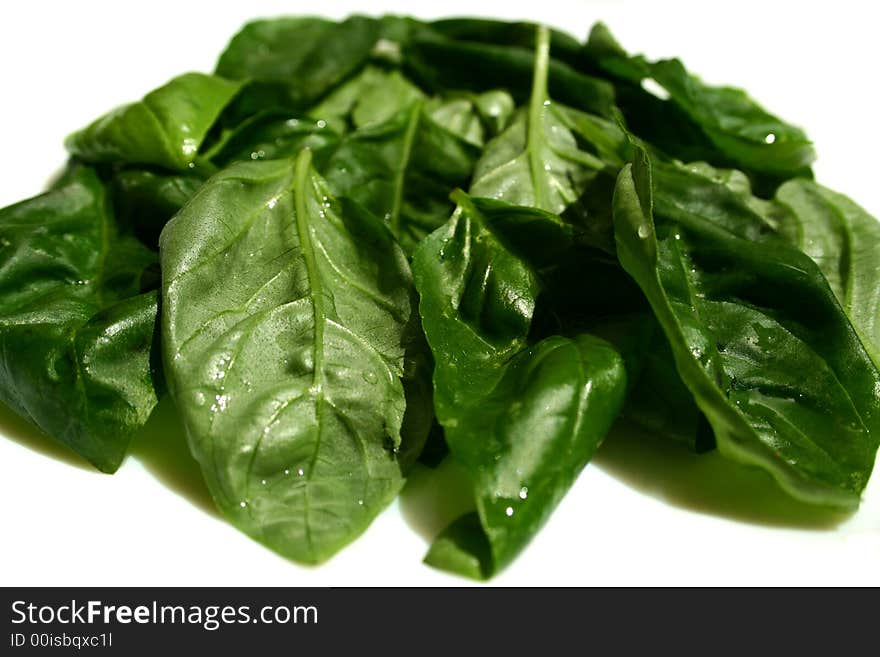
x=705, y=483
x=28, y=435
x=435, y=497
x=160, y=446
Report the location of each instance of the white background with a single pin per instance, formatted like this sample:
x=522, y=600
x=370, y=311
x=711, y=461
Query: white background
x=641, y=513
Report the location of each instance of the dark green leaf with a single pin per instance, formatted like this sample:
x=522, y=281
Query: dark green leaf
x=274, y=135
x=583, y=291
x=522, y=420
x=402, y=170
x=757, y=334
x=442, y=65
x=501, y=33
x=145, y=200
x=658, y=400
x=308, y=57
x=525, y=442
x=738, y=126
x=744, y=134
x=76, y=333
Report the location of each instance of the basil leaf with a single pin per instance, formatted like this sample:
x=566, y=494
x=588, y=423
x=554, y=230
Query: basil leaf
x=835, y=232
x=402, y=170
x=306, y=57
x=372, y=97
x=146, y=200
x=518, y=418
x=473, y=117
x=441, y=65
x=697, y=121
x=286, y=320
x=273, y=135
x=751, y=137
x=502, y=33
x=165, y=129
x=658, y=400
x=583, y=291
x=525, y=442
x=536, y=161
x=757, y=334
x=844, y=241
x=76, y=334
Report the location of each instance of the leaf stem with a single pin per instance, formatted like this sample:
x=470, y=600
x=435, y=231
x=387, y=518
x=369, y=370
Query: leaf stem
x=537, y=108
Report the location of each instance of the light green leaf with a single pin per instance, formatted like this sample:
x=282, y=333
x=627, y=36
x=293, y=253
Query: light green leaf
x=287, y=316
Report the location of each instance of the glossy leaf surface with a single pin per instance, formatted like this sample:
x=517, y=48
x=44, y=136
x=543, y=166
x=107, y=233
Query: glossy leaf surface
x=744, y=134
x=522, y=420
x=536, y=161
x=274, y=135
x=286, y=319
x=757, y=334
x=306, y=57
x=402, y=170
x=844, y=241
x=441, y=65
x=165, y=129
x=76, y=334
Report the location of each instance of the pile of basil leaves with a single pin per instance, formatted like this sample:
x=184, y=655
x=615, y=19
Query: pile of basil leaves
x=361, y=242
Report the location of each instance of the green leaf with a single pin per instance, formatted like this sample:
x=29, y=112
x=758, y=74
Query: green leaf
x=536, y=161
x=495, y=109
x=583, y=290
x=164, y=129
x=272, y=135
x=402, y=170
x=745, y=132
x=472, y=117
x=522, y=420
x=287, y=316
x=145, y=200
x=525, y=442
x=658, y=400
x=844, y=241
x=520, y=34
x=372, y=97
x=457, y=115
x=442, y=65
x=739, y=131
x=757, y=334
x=477, y=302
x=306, y=57
x=835, y=232
x=76, y=333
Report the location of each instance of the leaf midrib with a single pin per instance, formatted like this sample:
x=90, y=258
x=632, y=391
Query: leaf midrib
x=412, y=124
x=300, y=181
x=534, y=136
